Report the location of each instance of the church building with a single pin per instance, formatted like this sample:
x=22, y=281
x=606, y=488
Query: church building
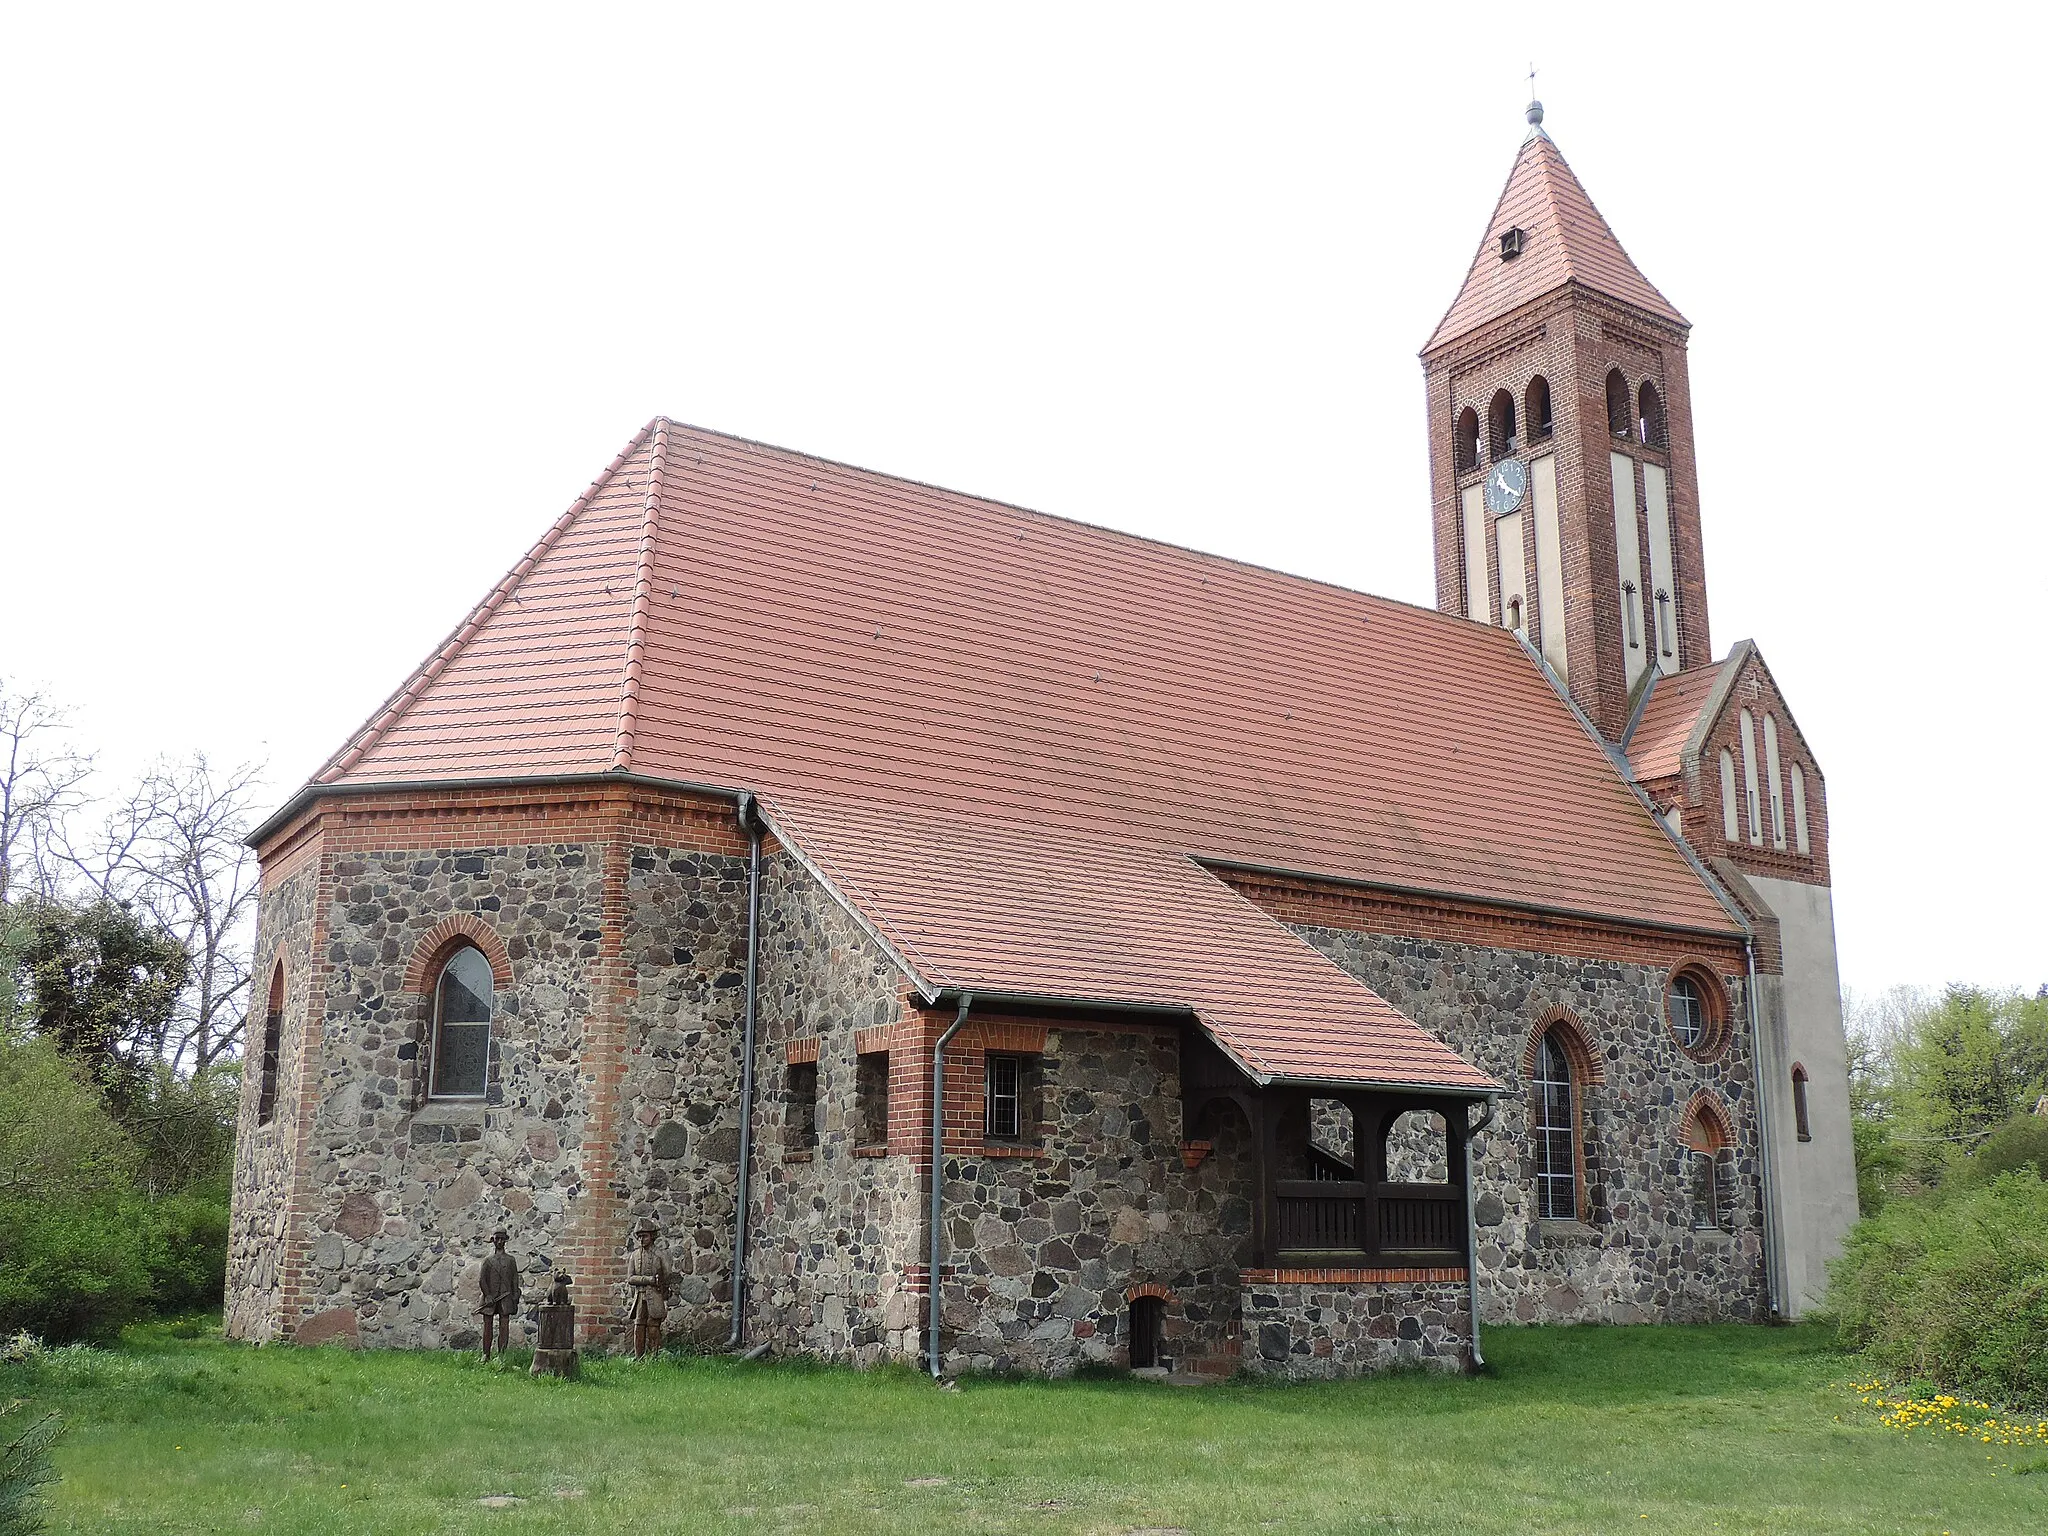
x=987, y=941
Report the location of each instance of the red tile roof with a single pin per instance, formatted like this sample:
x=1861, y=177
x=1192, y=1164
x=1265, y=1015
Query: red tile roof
x=1564, y=240
x=861, y=650
x=1656, y=747
x=1041, y=913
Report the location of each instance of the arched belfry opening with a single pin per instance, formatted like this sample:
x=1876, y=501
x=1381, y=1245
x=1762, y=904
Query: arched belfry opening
x=1502, y=435
x=1465, y=441
x=1536, y=411
x=1618, y=413
x=1650, y=415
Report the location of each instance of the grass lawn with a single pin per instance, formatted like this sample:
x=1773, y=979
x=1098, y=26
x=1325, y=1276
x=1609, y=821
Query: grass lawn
x=1576, y=1430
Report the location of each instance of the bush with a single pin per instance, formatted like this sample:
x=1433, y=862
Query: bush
x=1952, y=1287
x=186, y=1249
x=24, y=1470
x=72, y=1269
x=2021, y=1142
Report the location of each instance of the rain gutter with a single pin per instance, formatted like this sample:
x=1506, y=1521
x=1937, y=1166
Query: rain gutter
x=751, y=825
x=1763, y=1138
x=1472, y=1232
x=939, y=1177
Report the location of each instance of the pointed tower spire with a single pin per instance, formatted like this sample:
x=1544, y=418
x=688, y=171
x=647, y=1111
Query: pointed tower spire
x=1545, y=233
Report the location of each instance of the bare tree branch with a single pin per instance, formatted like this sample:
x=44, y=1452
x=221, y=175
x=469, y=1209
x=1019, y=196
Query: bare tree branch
x=41, y=782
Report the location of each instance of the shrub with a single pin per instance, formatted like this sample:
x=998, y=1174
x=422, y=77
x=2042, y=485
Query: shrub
x=24, y=1470
x=73, y=1269
x=186, y=1248
x=2020, y=1142
x=1952, y=1287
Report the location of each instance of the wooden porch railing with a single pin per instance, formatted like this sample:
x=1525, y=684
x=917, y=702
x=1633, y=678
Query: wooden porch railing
x=1348, y=1216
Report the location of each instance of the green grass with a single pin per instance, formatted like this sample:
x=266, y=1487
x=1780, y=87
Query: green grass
x=1577, y=1430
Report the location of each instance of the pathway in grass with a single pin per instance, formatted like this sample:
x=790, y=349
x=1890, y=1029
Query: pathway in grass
x=1732, y=1429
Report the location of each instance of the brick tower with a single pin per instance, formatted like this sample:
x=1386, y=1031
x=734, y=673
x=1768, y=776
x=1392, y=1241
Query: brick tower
x=1563, y=488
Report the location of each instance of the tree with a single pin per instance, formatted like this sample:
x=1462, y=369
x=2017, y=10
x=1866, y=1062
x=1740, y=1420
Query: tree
x=40, y=780
x=101, y=984
x=173, y=851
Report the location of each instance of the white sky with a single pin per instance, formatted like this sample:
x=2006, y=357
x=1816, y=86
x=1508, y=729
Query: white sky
x=312, y=321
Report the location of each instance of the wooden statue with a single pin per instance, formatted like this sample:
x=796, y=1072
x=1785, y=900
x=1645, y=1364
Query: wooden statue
x=500, y=1293
x=649, y=1279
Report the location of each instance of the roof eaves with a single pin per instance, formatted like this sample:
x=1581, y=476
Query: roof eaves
x=1353, y=1084
x=372, y=730
x=1714, y=887
x=643, y=581
x=314, y=790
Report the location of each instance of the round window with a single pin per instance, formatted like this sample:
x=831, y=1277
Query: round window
x=1688, y=1013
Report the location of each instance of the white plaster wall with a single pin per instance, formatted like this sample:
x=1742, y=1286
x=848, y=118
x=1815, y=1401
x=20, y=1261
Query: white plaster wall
x=1478, y=590
x=1549, y=562
x=1816, y=1180
x=1514, y=579
x=1657, y=506
x=1628, y=565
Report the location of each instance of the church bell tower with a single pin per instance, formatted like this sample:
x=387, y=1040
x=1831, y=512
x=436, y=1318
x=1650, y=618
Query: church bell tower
x=1563, y=488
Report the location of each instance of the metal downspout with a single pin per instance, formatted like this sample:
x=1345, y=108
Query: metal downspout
x=1472, y=1233
x=751, y=825
x=1763, y=1137
x=931, y=1279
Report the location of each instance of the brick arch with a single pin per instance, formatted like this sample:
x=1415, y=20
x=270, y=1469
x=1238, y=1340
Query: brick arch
x=1151, y=1288
x=1705, y=1126
x=1587, y=1067
x=444, y=938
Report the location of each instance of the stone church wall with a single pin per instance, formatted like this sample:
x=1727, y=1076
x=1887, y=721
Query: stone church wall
x=835, y=1234
x=1313, y=1330
x=405, y=1192
x=1043, y=1252
x=1639, y=1257
x=264, y=1160
x=679, y=1115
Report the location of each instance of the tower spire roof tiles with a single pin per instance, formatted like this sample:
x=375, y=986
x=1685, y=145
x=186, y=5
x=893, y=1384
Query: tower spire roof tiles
x=1564, y=241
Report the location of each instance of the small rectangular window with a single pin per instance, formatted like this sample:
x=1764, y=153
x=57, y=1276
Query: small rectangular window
x=1007, y=1092
x=871, y=1097
x=800, y=1102
x=1799, y=1104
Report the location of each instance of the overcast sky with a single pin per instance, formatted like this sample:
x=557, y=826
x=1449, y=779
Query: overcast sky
x=311, y=321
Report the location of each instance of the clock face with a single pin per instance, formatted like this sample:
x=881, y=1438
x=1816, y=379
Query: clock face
x=1506, y=486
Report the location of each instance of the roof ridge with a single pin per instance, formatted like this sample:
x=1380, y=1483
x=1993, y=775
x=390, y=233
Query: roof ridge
x=643, y=581
x=372, y=730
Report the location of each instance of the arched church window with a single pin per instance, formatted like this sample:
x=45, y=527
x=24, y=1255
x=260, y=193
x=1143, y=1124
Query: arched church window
x=1728, y=797
x=1775, y=776
x=1502, y=437
x=1618, y=412
x=1465, y=442
x=1556, y=1133
x=1630, y=619
x=1707, y=1149
x=1537, y=411
x=273, y=1031
x=1799, y=1102
x=1650, y=415
x=464, y=1000
x=1749, y=776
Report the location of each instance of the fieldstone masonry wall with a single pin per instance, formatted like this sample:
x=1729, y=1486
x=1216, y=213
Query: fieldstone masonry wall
x=407, y=1190
x=679, y=1119
x=264, y=1155
x=1638, y=1257
x=1316, y=1330
x=1047, y=1239
x=1043, y=1250
x=839, y=1236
